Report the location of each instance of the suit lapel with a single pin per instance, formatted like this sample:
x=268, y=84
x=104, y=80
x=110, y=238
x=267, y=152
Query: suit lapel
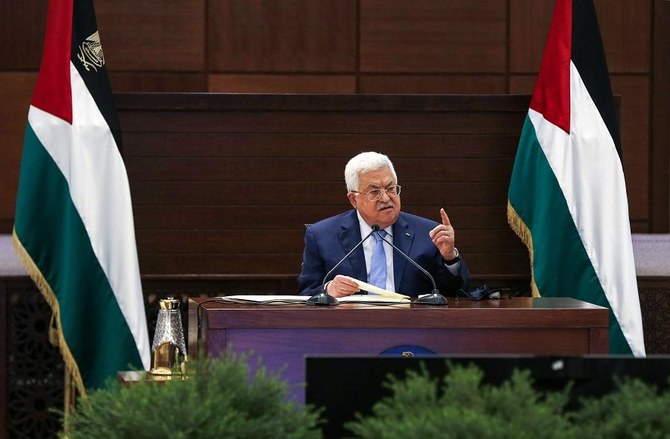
x=403, y=237
x=349, y=236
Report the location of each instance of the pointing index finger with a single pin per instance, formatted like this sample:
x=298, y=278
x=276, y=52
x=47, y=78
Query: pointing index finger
x=445, y=217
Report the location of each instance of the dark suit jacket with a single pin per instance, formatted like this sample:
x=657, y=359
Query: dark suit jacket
x=327, y=241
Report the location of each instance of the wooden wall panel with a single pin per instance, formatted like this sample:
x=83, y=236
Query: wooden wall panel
x=624, y=27
x=430, y=84
x=528, y=26
x=15, y=97
x=522, y=84
x=157, y=82
x=201, y=144
x=432, y=36
x=22, y=34
x=634, y=118
x=152, y=35
x=280, y=83
x=282, y=36
x=306, y=122
x=224, y=192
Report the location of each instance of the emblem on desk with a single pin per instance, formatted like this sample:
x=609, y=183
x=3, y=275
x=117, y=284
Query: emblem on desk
x=407, y=351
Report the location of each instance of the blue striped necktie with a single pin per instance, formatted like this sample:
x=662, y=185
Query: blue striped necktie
x=378, y=263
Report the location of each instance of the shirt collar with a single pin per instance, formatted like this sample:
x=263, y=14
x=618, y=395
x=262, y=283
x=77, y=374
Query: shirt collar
x=366, y=228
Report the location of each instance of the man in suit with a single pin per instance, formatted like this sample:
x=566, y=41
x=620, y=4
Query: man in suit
x=374, y=194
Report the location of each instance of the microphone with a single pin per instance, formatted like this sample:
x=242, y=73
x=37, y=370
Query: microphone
x=323, y=298
x=434, y=298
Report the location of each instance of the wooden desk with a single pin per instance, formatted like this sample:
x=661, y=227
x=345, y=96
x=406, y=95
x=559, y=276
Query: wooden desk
x=283, y=334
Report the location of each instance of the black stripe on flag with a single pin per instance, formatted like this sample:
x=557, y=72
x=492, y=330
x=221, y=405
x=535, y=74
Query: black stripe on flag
x=588, y=56
x=86, y=56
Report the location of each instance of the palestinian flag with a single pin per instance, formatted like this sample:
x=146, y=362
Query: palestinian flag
x=567, y=194
x=74, y=227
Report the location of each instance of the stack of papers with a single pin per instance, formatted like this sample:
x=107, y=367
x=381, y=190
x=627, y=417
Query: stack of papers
x=377, y=295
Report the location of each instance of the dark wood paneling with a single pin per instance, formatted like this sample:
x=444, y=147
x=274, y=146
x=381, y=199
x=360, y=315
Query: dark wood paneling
x=282, y=36
x=420, y=84
x=522, y=84
x=634, y=118
x=280, y=83
x=283, y=168
x=219, y=216
x=398, y=122
x=623, y=27
x=327, y=103
x=432, y=36
x=146, y=35
x=15, y=98
x=227, y=263
x=6, y=225
x=528, y=26
x=158, y=82
x=202, y=144
x=22, y=34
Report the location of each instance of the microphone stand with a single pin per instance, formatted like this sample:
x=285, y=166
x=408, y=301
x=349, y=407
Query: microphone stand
x=325, y=299
x=434, y=298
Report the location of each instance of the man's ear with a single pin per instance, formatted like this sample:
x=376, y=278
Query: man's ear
x=352, y=198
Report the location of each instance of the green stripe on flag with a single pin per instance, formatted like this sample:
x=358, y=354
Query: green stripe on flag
x=561, y=266
x=49, y=228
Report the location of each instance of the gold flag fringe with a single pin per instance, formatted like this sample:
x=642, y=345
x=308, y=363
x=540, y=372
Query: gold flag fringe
x=74, y=383
x=522, y=231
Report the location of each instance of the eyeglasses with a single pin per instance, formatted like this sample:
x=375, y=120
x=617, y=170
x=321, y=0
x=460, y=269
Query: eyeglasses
x=376, y=194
